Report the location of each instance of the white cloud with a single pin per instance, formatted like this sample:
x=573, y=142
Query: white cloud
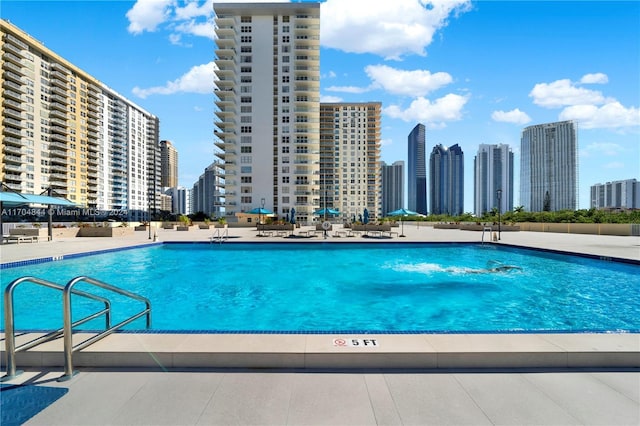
x=390, y=29
x=386, y=142
x=330, y=99
x=200, y=29
x=611, y=115
x=147, y=15
x=562, y=93
x=198, y=79
x=410, y=83
x=514, y=116
x=347, y=89
x=435, y=114
x=596, y=78
x=193, y=9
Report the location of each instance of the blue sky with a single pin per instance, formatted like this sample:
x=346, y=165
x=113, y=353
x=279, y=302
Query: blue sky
x=472, y=72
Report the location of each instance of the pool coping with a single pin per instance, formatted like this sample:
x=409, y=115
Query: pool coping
x=336, y=351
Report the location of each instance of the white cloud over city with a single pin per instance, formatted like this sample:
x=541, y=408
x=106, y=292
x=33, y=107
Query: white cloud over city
x=590, y=108
x=391, y=29
x=514, y=116
x=197, y=80
x=434, y=113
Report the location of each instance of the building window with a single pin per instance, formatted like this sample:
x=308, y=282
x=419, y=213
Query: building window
x=285, y=179
x=246, y=159
x=245, y=179
x=245, y=200
x=245, y=19
x=245, y=99
x=245, y=39
x=245, y=29
x=245, y=129
x=245, y=169
x=245, y=149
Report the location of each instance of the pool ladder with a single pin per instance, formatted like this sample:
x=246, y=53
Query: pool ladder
x=488, y=229
x=219, y=236
x=67, y=330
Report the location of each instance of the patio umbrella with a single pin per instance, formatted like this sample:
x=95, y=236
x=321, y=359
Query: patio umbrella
x=260, y=210
x=402, y=213
x=292, y=220
x=328, y=212
x=365, y=218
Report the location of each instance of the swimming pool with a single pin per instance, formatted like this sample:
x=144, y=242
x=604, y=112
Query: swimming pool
x=311, y=288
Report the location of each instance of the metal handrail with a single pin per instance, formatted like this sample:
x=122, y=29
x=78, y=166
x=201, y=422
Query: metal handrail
x=68, y=326
x=9, y=321
x=220, y=238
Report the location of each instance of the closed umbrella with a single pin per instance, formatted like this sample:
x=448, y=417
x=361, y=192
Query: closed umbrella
x=365, y=218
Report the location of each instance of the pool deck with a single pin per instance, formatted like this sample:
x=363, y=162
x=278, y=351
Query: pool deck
x=320, y=379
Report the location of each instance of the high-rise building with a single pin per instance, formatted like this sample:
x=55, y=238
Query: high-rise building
x=446, y=176
x=417, y=170
x=549, y=167
x=180, y=200
x=204, y=194
x=267, y=107
x=493, y=171
x=392, y=187
x=168, y=164
x=350, y=178
x=619, y=194
x=63, y=129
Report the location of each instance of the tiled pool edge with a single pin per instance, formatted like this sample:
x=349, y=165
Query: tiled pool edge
x=35, y=261
x=424, y=351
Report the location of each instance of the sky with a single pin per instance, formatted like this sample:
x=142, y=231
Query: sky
x=473, y=72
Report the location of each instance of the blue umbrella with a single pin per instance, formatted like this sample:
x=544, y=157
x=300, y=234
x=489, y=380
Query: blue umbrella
x=260, y=210
x=359, y=218
x=402, y=213
x=365, y=219
x=293, y=216
x=329, y=212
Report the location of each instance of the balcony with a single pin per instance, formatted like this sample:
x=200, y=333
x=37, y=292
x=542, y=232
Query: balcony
x=10, y=57
x=12, y=132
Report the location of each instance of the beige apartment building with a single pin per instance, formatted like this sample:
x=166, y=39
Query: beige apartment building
x=350, y=167
x=64, y=130
x=168, y=165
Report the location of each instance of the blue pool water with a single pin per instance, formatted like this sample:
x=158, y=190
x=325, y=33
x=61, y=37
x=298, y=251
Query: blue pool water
x=345, y=287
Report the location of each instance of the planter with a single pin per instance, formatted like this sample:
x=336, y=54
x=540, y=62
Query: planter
x=182, y=228
x=168, y=226
x=204, y=226
x=140, y=228
x=104, y=232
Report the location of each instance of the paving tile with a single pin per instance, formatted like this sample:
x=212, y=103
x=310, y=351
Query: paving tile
x=169, y=399
x=509, y=399
x=330, y=399
x=437, y=399
x=249, y=399
x=384, y=407
x=588, y=399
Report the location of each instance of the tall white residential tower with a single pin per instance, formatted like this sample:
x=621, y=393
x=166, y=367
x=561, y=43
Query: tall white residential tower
x=267, y=107
x=549, y=167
